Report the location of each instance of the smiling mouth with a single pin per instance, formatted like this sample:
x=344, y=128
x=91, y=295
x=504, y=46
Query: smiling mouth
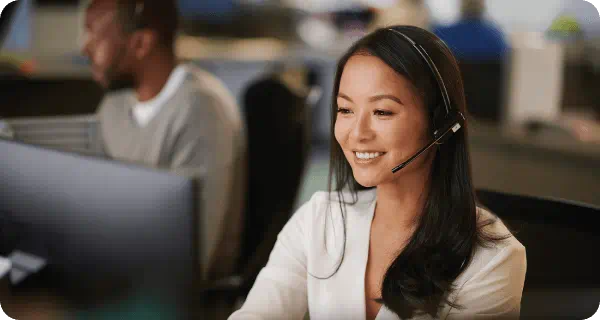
x=363, y=157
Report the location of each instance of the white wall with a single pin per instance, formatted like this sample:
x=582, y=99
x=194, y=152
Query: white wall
x=525, y=15
x=56, y=30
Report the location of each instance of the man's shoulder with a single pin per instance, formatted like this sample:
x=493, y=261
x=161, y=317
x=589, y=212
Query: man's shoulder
x=207, y=96
x=203, y=83
x=113, y=101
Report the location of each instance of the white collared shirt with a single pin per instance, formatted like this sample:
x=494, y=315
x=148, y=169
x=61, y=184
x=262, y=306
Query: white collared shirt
x=288, y=287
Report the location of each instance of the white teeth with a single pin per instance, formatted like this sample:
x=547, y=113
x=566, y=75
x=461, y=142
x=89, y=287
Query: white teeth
x=366, y=155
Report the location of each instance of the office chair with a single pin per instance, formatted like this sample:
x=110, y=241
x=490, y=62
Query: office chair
x=484, y=83
x=278, y=149
x=561, y=239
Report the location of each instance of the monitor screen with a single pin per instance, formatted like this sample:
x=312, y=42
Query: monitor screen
x=90, y=218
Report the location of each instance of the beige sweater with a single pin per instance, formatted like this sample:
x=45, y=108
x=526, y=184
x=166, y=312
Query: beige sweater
x=199, y=128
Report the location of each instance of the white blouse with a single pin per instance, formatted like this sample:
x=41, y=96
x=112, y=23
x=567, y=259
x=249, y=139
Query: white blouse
x=289, y=285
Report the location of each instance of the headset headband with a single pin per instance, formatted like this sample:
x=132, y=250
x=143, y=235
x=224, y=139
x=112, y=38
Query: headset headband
x=432, y=67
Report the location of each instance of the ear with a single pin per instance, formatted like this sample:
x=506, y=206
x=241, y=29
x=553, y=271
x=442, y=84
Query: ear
x=437, y=117
x=144, y=41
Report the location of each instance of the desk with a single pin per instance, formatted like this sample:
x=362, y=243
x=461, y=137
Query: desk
x=45, y=296
x=24, y=97
x=544, y=164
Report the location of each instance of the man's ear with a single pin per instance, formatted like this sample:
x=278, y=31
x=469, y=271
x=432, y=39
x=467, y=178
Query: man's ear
x=144, y=41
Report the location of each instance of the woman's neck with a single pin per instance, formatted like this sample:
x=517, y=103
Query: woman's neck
x=400, y=203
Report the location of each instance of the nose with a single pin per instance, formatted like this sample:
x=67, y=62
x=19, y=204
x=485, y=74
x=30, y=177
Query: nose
x=362, y=127
x=84, y=49
x=84, y=43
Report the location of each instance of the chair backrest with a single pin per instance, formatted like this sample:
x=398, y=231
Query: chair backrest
x=278, y=148
x=484, y=83
x=561, y=241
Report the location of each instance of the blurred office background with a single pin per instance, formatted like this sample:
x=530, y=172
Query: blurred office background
x=535, y=106
x=534, y=102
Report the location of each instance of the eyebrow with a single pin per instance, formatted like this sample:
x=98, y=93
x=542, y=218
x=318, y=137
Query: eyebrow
x=374, y=98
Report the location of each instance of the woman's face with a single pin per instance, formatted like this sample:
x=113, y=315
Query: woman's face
x=381, y=121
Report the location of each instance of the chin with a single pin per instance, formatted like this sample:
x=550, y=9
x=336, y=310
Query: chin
x=367, y=185
x=367, y=182
x=103, y=84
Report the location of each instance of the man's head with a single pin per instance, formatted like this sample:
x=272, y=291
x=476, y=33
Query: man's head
x=473, y=8
x=123, y=36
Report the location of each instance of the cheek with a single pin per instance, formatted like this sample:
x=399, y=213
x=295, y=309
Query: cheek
x=340, y=131
x=404, y=140
x=102, y=55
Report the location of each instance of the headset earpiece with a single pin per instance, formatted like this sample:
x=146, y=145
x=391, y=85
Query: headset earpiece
x=138, y=15
x=438, y=117
x=134, y=15
x=451, y=123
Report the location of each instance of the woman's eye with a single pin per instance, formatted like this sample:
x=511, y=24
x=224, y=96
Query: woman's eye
x=343, y=110
x=383, y=113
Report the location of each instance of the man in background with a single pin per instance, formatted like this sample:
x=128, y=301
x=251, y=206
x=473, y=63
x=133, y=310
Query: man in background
x=160, y=113
x=483, y=55
x=474, y=37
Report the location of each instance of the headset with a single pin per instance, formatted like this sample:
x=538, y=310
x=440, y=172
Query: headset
x=137, y=21
x=452, y=121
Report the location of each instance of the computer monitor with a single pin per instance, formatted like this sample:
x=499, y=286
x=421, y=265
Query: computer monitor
x=93, y=219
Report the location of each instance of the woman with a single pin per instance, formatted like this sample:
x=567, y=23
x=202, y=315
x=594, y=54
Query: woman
x=405, y=245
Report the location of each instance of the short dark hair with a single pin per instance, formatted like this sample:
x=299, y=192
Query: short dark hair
x=161, y=16
x=472, y=8
x=422, y=275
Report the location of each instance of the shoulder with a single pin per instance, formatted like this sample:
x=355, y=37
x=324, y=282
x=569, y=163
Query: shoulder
x=496, y=259
x=207, y=97
x=113, y=102
x=111, y=97
x=496, y=227
x=493, y=281
x=490, y=30
x=203, y=86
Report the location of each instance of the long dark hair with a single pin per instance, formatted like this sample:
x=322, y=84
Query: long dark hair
x=421, y=277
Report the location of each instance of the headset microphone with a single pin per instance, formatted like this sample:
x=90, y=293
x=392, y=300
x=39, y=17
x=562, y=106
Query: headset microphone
x=452, y=124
